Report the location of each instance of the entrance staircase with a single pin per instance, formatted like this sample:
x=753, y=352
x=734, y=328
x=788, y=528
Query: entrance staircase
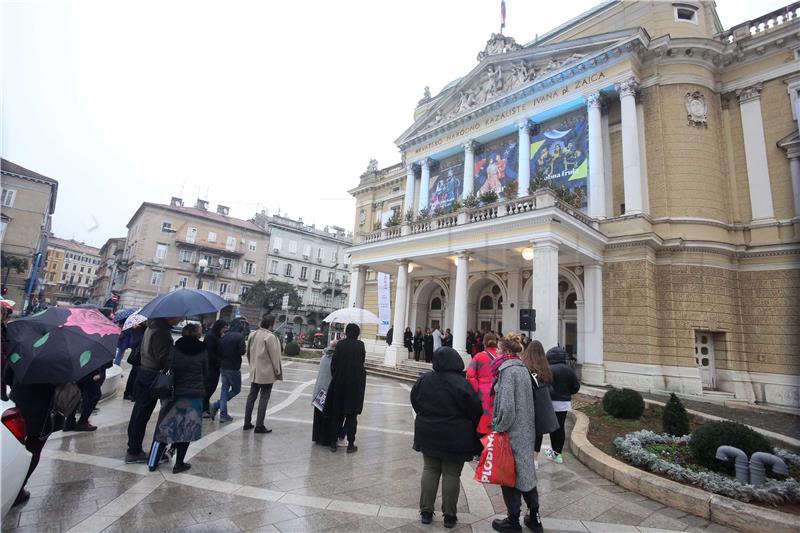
x=407, y=370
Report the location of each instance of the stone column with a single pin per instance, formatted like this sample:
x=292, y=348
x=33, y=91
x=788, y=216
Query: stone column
x=460, y=302
x=511, y=307
x=794, y=167
x=545, y=291
x=755, y=153
x=593, y=372
x=597, y=186
x=524, y=153
x=397, y=352
x=424, y=182
x=408, y=203
x=469, y=167
x=357, y=279
x=581, y=314
x=631, y=161
x=609, y=186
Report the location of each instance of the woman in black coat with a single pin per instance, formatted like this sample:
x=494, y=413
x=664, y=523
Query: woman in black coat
x=418, y=343
x=345, y=397
x=427, y=344
x=408, y=339
x=212, y=362
x=180, y=420
x=448, y=410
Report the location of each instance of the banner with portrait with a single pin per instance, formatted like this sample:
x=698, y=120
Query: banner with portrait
x=559, y=155
x=496, y=165
x=446, y=184
x=384, y=302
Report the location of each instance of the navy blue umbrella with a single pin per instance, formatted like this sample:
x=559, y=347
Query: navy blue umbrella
x=121, y=315
x=183, y=302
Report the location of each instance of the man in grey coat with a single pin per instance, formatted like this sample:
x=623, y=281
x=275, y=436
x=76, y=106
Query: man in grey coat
x=514, y=414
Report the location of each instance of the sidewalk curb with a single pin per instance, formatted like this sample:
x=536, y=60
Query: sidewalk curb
x=719, y=509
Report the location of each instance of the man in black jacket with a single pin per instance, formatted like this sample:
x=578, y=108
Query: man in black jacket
x=156, y=345
x=231, y=348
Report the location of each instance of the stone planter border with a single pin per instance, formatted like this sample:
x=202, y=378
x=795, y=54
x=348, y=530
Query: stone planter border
x=718, y=509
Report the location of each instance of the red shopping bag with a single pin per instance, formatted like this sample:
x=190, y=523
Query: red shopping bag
x=496, y=466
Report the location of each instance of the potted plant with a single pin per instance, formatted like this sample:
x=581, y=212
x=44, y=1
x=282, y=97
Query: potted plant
x=410, y=215
x=510, y=191
x=439, y=211
x=471, y=201
x=537, y=183
x=376, y=226
x=488, y=197
x=393, y=221
x=455, y=206
x=424, y=214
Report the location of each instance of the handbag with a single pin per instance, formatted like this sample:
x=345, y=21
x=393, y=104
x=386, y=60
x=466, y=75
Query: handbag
x=496, y=466
x=544, y=414
x=135, y=357
x=163, y=387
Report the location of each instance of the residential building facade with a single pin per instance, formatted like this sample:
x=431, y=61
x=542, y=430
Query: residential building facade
x=110, y=277
x=26, y=208
x=313, y=260
x=69, y=271
x=172, y=245
x=629, y=180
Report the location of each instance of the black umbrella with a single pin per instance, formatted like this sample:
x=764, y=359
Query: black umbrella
x=60, y=345
x=183, y=302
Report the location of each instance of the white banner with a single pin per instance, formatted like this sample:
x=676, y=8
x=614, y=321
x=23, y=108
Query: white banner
x=384, y=302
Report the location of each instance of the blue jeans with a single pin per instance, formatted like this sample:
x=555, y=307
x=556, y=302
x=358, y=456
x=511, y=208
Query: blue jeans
x=118, y=357
x=231, y=386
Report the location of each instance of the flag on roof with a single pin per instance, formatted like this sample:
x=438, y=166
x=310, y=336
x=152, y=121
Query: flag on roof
x=502, y=15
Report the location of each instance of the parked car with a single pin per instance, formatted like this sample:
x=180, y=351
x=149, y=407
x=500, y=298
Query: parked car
x=179, y=327
x=15, y=458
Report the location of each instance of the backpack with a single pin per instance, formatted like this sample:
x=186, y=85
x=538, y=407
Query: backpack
x=65, y=401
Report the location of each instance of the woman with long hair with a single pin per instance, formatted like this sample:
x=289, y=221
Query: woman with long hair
x=479, y=374
x=514, y=414
x=542, y=380
x=565, y=384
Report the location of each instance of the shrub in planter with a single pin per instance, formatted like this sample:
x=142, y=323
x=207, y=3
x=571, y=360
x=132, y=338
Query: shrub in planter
x=710, y=436
x=510, y=190
x=455, y=206
x=623, y=403
x=471, y=201
x=675, y=419
x=488, y=197
x=292, y=349
x=410, y=215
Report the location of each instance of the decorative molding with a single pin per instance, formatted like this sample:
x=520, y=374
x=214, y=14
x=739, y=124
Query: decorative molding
x=499, y=44
x=594, y=100
x=627, y=87
x=696, y=109
x=749, y=93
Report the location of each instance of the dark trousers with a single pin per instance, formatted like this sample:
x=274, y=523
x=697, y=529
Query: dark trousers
x=129, y=385
x=90, y=395
x=142, y=409
x=513, y=499
x=212, y=380
x=265, y=389
x=557, y=437
x=348, y=424
x=416, y=355
x=450, y=473
x=157, y=451
x=35, y=446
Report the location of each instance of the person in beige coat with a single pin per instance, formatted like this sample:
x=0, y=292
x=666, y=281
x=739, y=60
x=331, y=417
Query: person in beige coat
x=264, y=355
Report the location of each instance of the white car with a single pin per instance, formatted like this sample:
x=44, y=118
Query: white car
x=16, y=459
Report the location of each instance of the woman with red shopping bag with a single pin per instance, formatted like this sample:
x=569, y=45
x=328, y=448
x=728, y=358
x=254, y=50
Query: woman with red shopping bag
x=514, y=414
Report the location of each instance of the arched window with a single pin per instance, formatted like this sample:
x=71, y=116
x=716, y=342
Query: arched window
x=571, y=299
x=487, y=303
x=436, y=304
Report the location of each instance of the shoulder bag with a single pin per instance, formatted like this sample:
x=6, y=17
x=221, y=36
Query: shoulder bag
x=163, y=387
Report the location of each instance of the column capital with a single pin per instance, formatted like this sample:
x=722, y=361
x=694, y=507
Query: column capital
x=426, y=162
x=544, y=244
x=594, y=265
x=750, y=93
x=627, y=87
x=470, y=146
x=411, y=168
x=358, y=268
x=401, y=263
x=594, y=100
x=524, y=125
x=463, y=254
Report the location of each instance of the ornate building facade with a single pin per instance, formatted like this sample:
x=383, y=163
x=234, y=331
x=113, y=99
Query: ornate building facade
x=69, y=271
x=631, y=177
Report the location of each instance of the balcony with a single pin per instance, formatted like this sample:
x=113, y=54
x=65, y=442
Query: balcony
x=207, y=248
x=541, y=199
x=764, y=24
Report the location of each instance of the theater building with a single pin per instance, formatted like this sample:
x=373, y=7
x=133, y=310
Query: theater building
x=631, y=176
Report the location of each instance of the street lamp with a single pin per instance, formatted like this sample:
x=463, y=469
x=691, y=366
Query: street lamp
x=203, y=264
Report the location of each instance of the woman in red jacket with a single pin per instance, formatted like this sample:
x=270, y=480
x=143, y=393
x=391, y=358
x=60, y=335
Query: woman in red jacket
x=479, y=374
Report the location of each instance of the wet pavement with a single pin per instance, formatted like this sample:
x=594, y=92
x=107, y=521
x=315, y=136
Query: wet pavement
x=241, y=481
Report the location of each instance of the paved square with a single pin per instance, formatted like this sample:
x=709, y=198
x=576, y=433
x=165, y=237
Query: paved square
x=241, y=481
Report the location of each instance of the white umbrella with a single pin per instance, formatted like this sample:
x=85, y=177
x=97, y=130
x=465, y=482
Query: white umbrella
x=134, y=320
x=352, y=315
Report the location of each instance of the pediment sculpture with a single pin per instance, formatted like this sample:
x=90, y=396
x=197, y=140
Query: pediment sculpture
x=499, y=44
x=498, y=79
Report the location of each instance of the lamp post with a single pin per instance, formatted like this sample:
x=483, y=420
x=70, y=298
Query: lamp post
x=203, y=264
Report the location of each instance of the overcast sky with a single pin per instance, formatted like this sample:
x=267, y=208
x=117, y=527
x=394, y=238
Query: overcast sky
x=250, y=104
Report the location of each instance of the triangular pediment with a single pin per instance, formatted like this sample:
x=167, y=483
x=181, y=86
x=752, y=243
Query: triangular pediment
x=791, y=144
x=505, y=68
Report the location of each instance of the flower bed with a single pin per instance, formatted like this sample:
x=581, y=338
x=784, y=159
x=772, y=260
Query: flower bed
x=633, y=447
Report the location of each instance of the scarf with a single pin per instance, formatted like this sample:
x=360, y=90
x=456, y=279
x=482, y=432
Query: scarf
x=495, y=367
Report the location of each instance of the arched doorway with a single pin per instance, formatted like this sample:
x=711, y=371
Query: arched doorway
x=428, y=305
x=570, y=312
x=486, y=296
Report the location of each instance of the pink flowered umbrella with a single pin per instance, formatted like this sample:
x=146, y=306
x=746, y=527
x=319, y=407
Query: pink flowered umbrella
x=60, y=345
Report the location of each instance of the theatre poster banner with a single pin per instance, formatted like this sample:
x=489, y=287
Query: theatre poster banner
x=384, y=303
x=559, y=156
x=446, y=184
x=496, y=165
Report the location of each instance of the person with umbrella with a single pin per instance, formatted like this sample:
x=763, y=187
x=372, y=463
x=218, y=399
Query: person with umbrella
x=46, y=350
x=345, y=397
x=122, y=344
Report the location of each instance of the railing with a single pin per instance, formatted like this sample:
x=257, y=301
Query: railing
x=762, y=24
x=539, y=200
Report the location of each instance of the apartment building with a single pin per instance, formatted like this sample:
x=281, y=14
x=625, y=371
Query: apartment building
x=110, y=276
x=173, y=245
x=69, y=271
x=26, y=207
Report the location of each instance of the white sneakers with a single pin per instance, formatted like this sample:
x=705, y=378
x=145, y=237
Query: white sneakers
x=553, y=456
x=341, y=443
